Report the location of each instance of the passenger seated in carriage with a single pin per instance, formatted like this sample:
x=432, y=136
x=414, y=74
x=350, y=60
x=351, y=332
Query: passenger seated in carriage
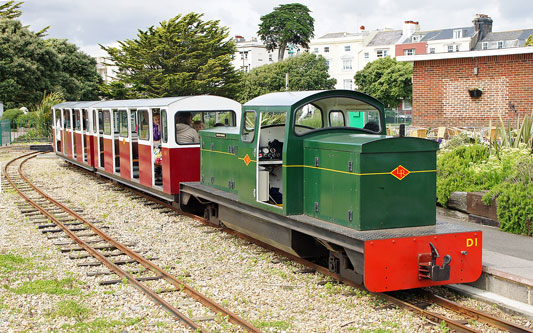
x=157, y=147
x=184, y=132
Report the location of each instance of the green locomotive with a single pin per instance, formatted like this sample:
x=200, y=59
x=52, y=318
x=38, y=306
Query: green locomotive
x=315, y=174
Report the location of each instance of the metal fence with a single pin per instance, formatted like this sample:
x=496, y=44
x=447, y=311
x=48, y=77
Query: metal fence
x=398, y=117
x=25, y=130
x=5, y=132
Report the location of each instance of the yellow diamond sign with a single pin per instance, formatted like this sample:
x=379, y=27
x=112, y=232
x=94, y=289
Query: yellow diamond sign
x=247, y=159
x=400, y=172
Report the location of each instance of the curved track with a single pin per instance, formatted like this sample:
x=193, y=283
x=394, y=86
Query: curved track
x=44, y=204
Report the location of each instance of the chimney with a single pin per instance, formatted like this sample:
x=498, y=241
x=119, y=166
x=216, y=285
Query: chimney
x=482, y=25
x=409, y=28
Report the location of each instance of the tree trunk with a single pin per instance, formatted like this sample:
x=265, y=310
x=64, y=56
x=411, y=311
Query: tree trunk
x=281, y=51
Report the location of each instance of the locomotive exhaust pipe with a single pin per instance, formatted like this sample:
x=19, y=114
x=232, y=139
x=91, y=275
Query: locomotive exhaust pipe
x=402, y=130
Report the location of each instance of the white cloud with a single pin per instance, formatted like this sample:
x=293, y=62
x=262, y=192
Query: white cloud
x=92, y=22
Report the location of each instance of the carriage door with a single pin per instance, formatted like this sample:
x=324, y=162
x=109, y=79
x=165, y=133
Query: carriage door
x=145, y=148
x=269, y=158
x=157, y=152
x=77, y=152
x=107, y=139
x=57, y=132
x=134, y=146
x=124, y=145
x=84, y=134
x=115, y=122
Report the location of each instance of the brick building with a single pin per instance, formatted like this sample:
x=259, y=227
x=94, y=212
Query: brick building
x=441, y=84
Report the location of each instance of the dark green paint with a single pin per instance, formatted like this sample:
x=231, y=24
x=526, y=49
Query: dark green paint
x=375, y=201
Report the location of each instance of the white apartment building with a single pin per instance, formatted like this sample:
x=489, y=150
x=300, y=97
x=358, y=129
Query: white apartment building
x=342, y=52
x=106, y=69
x=252, y=53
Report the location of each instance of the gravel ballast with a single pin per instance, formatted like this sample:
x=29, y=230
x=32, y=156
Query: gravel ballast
x=261, y=287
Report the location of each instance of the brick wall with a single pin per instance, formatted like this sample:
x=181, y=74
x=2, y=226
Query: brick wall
x=440, y=90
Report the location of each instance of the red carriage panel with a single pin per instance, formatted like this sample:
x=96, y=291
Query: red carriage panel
x=78, y=146
x=145, y=165
x=108, y=155
x=89, y=149
x=394, y=263
x=125, y=169
x=68, y=143
x=180, y=165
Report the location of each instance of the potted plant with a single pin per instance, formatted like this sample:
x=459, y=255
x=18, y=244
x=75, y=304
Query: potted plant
x=475, y=92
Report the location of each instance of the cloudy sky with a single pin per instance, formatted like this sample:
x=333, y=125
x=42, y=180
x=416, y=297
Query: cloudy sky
x=88, y=23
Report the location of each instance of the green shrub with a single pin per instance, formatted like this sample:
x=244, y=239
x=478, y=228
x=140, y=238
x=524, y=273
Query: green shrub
x=11, y=114
x=474, y=168
x=515, y=199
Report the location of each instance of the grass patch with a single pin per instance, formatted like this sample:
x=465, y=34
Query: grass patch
x=102, y=325
x=11, y=262
x=66, y=286
x=277, y=325
x=71, y=309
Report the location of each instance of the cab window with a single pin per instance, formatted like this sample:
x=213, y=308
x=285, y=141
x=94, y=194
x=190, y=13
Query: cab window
x=336, y=119
x=248, y=127
x=342, y=112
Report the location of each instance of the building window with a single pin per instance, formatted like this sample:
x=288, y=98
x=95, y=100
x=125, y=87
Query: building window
x=409, y=52
x=270, y=57
x=327, y=63
x=244, y=55
x=347, y=48
x=415, y=38
x=326, y=49
x=315, y=50
x=485, y=46
x=346, y=63
x=406, y=105
x=431, y=50
x=348, y=84
x=450, y=48
x=500, y=44
x=457, y=34
x=381, y=53
x=367, y=55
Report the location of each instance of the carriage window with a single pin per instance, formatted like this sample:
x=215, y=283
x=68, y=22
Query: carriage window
x=336, y=119
x=248, y=130
x=164, y=127
x=101, y=122
x=77, y=120
x=85, y=119
x=107, y=123
x=58, y=119
x=93, y=124
x=66, y=119
x=308, y=118
x=123, y=118
x=133, y=121
x=116, y=122
x=143, y=125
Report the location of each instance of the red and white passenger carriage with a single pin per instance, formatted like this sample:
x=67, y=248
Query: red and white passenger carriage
x=116, y=138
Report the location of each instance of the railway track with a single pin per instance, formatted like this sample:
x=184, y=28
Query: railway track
x=86, y=236
x=416, y=306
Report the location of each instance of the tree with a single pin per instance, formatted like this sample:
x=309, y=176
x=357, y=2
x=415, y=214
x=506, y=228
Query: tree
x=529, y=41
x=77, y=78
x=306, y=72
x=27, y=67
x=287, y=25
x=10, y=10
x=181, y=57
x=387, y=80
